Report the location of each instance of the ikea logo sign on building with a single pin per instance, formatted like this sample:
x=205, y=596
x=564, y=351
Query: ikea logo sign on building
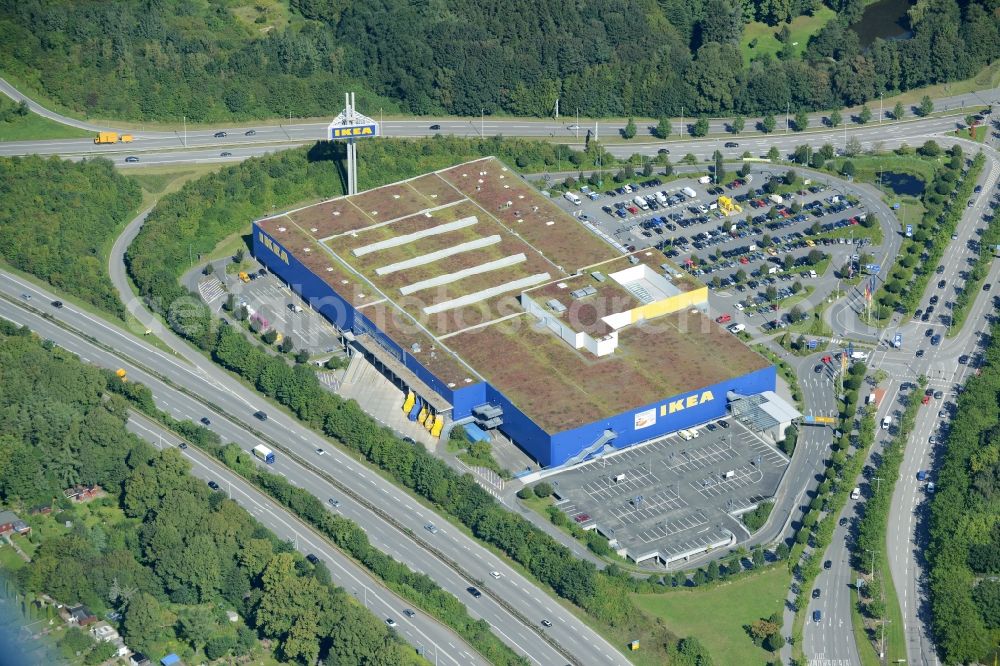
x=273, y=247
x=647, y=418
x=353, y=132
x=692, y=400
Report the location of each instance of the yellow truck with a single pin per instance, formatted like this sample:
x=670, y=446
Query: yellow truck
x=112, y=137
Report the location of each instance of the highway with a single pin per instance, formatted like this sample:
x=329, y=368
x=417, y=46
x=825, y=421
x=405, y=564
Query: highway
x=439, y=644
x=201, y=145
x=393, y=519
x=907, y=536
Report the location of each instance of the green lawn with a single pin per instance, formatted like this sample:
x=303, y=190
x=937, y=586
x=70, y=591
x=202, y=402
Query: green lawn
x=979, y=136
x=33, y=127
x=801, y=29
x=867, y=168
x=716, y=615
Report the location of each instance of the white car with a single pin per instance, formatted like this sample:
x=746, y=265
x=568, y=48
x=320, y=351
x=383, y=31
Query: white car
x=496, y=574
x=390, y=622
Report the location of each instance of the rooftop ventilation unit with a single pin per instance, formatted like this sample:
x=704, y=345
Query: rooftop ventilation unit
x=599, y=276
x=556, y=305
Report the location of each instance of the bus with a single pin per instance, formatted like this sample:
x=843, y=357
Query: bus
x=264, y=453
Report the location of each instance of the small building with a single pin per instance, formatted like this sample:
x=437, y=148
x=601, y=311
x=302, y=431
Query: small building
x=765, y=413
x=83, y=493
x=103, y=631
x=79, y=615
x=139, y=659
x=232, y=616
x=10, y=523
x=170, y=660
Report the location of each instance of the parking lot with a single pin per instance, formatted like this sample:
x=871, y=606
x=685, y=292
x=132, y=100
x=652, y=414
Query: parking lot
x=673, y=497
x=744, y=252
x=267, y=298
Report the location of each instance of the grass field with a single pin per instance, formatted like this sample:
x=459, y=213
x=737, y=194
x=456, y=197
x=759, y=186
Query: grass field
x=980, y=133
x=32, y=127
x=716, y=615
x=800, y=29
x=868, y=167
x=157, y=181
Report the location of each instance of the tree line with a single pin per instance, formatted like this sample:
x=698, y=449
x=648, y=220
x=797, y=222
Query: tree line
x=964, y=550
x=57, y=220
x=163, y=59
x=918, y=256
x=418, y=588
x=170, y=556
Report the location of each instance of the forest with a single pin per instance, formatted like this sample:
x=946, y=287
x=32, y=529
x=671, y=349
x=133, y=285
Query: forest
x=964, y=551
x=161, y=548
x=216, y=60
x=58, y=220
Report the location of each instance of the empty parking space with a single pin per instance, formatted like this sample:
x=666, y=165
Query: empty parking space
x=671, y=493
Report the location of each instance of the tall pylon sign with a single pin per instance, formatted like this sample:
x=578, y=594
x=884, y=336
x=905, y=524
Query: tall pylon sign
x=350, y=126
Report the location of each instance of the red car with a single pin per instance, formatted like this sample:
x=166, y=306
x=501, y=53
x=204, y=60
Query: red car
x=724, y=319
x=581, y=518
x=744, y=260
x=926, y=400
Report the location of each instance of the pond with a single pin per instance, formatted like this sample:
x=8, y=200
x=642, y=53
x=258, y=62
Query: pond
x=903, y=183
x=886, y=19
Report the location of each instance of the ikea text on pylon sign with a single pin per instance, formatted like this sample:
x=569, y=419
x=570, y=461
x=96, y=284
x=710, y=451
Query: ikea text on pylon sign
x=357, y=131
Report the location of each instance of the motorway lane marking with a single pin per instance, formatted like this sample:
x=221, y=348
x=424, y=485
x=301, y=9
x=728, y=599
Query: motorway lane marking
x=305, y=538
x=74, y=334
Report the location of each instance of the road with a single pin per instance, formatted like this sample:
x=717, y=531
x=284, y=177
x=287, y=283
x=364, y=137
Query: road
x=201, y=144
x=439, y=644
x=513, y=605
x=906, y=535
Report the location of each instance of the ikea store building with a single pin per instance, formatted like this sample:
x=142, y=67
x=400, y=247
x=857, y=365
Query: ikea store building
x=486, y=303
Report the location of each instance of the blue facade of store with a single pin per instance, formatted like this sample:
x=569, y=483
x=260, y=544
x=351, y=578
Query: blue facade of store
x=632, y=427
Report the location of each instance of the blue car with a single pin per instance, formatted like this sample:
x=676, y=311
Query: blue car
x=817, y=616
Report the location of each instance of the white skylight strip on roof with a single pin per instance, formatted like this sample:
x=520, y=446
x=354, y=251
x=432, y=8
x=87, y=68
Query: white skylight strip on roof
x=464, y=273
x=440, y=254
x=469, y=299
x=396, y=241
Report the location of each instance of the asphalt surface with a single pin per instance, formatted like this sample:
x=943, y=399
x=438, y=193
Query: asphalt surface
x=158, y=147
x=830, y=642
x=438, y=643
x=393, y=519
